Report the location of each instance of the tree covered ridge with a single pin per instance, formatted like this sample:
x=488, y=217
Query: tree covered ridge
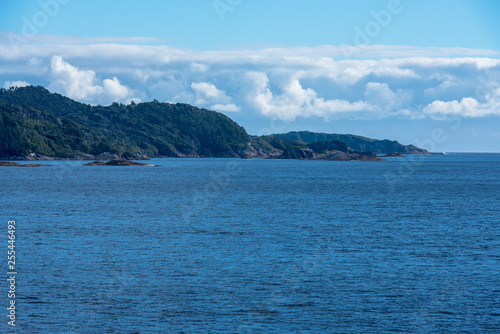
x=356, y=143
x=36, y=121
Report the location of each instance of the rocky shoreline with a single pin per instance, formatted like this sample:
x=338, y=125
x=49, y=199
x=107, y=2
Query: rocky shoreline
x=102, y=156
x=295, y=154
x=115, y=162
x=15, y=164
x=394, y=155
x=298, y=153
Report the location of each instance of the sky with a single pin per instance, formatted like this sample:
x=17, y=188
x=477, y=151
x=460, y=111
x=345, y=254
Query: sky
x=418, y=71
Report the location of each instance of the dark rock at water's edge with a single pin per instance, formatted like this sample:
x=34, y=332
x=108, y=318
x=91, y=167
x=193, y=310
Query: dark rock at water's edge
x=121, y=162
x=117, y=162
x=128, y=156
x=297, y=153
x=107, y=156
x=394, y=155
x=96, y=163
x=32, y=157
x=15, y=164
x=101, y=156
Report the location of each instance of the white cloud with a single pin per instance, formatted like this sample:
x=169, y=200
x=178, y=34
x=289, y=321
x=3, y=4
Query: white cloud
x=467, y=107
x=326, y=108
x=226, y=107
x=295, y=100
x=284, y=83
x=381, y=97
x=206, y=90
x=9, y=84
x=83, y=85
x=75, y=83
x=115, y=90
x=206, y=93
x=259, y=93
x=445, y=86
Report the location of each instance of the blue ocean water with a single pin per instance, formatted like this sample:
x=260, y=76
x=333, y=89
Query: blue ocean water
x=408, y=245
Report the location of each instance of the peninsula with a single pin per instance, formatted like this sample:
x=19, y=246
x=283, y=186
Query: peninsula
x=36, y=124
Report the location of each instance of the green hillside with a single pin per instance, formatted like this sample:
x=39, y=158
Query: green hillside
x=357, y=143
x=34, y=120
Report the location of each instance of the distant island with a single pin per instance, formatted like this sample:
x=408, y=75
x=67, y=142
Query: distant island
x=36, y=124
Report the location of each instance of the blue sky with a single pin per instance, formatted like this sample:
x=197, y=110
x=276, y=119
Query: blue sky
x=386, y=69
x=255, y=23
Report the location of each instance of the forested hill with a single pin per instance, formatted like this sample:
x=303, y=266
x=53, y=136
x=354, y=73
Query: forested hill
x=357, y=143
x=33, y=120
x=38, y=124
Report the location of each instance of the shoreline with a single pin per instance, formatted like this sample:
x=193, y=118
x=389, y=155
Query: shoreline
x=83, y=158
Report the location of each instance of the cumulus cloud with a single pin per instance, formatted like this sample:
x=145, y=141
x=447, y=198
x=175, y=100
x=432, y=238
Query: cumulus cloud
x=206, y=93
x=114, y=90
x=295, y=100
x=83, y=85
x=9, y=84
x=75, y=83
x=467, y=107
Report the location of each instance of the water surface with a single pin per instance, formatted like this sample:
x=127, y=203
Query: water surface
x=258, y=246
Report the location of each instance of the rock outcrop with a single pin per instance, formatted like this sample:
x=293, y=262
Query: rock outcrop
x=394, y=155
x=297, y=153
x=117, y=162
x=107, y=156
x=15, y=164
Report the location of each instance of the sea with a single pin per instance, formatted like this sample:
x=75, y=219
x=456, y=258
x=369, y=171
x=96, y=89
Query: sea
x=406, y=245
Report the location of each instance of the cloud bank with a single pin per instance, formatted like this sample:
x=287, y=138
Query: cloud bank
x=283, y=83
